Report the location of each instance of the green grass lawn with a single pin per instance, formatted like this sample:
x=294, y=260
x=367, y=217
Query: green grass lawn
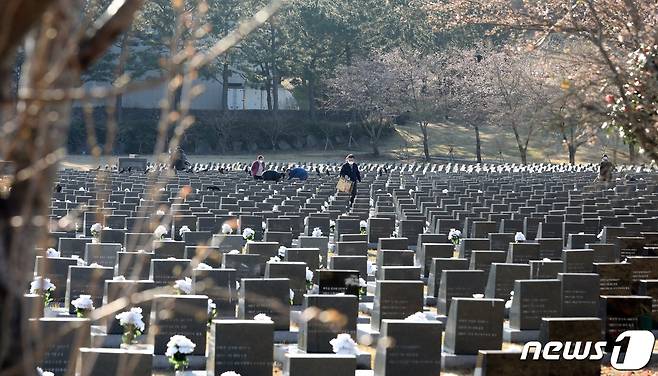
x=406, y=145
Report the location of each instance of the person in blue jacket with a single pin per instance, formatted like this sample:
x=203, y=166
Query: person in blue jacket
x=350, y=170
x=297, y=173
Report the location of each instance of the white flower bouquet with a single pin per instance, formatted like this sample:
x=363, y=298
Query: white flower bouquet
x=248, y=234
x=227, y=229
x=309, y=279
x=212, y=311
x=95, y=230
x=178, y=348
x=44, y=287
x=262, y=317
x=343, y=344
x=363, y=225
x=52, y=252
x=83, y=305
x=183, y=230
x=282, y=252
x=317, y=232
x=455, y=236
x=363, y=287
x=332, y=226
x=132, y=323
x=183, y=286
x=160, y=232
x=519, y=237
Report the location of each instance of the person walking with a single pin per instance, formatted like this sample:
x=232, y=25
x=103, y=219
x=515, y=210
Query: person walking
x=605, y=169
x=350, y=170
x=258, y=168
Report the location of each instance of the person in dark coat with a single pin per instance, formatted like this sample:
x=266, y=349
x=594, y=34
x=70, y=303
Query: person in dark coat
x=297, y=173
x=271, y=175
x=605, y=169
x=350, y=170
x=179, y=160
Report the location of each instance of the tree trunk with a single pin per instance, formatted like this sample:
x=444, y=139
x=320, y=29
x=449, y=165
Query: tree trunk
x=631, y=153
x=310, y=92
x=524, y=155
x=375, y=148
x=426, y=149
x=225, y=76
x=572, y=154
x=478, y=145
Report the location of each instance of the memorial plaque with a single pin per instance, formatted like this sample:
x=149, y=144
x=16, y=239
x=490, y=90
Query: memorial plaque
x=470, y=244
x=168, y=248
x=459, y=284
x=621, y=313
x=59, y=342
x=310, y=256
x=57, y=270
x=578, y=261
x=650, y=288
x=179, y=315
x=570, y=329
x=359, y=263
x=482, y=260
x=243, y=346
x=522, y=253
x=331, y=281
x=102, y=254
x=630, y=246
x=218, y=285
x=73, y=246
x=399, y=273
x=114, y=362
x=86, y=280
x=134, y=265
x=603, y=252
x=315, y=330
x=550, y=248
x=474, y=324
x=549, y=269
x=533, y=300
x=579, y=294
x=438, y=266
x=246, y=266
x=642, y=268
x=319, y=365
x=396, y=300
x=393, y=258
x=127, y=289
x=412, y=348
x=379, y=228
x=295, y=272
x=615, y=278
x=429, y=251
x=270, y=296
x=352, y=248
x=167, y=272
x=501, y=279
x=500, y=241
x=393, y=243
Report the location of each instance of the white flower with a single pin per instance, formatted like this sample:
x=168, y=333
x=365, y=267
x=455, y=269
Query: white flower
x=160, y=212
x=162, y=189
x=545, y=259
x=274, y=259
x=263, y=225
x=184, y=285
x=478, y=296
x=444, y=191
x=363, y=224
x=417, y=317
x=81, y=189
x=343, y=344
x=519, y=237
x=309, y=275
x=292, y=294
x=132, y=317
x=183, y=230
x=237, y=285
x=248, y=234
x=203, y=266
x=362, y=283
x=41, y=372
x=282, y=252
x=79, y=261
x=52, y=252
x=234, y=252
x=600, y=235
x=508, y=304
x=119, y=278
x=227, y=229
x=160, y=232
x=262, y=317
x=41, y=284
x=83, y=302
x=230, y=373
x=317, y=232
x=96, y=230
x=126, y=190
x=95, y=265
x=179, y=344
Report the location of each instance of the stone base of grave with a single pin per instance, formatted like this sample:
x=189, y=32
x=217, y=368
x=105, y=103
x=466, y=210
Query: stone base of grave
x=197, y=363
x=56, y=312
x=454, y=361
x=286, y=336
x=519, y=336
x=113, y=341
x=430, y=301
x=363, y=359
x=366, y=330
